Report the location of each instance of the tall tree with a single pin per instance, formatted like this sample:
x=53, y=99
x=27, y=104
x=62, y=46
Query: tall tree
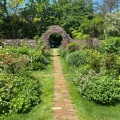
x=105, y=6
x=112, y=24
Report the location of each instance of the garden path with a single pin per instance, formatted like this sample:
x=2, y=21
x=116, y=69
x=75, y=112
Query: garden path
x=63, y=108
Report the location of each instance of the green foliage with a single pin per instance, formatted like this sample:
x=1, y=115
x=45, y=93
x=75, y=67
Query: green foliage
x=73, y=46
x=94, y=59
x=111, y=45
x=95, y=25
x=19, y=90
x=79, y=35
x=13, y=65
x=31, y=20
x=62, y=51
x=112, y=24
x=97, y=87
x=77, y=58
x=13, y=59
x=105, y=91
x=39, y=58
x=18, y=94
x=36, y=37
x=111, y=62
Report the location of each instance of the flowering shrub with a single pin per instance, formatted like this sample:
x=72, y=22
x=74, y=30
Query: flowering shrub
x=73, y=46
x=97, y=86
x=12, y=64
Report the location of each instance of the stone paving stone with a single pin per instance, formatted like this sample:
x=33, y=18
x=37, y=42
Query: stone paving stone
x=57, y=108
x=63, y=108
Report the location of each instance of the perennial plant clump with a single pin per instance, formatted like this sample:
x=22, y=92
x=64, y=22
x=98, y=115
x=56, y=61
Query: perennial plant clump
x=20, y=91
x=77, y=58
x=99, y=87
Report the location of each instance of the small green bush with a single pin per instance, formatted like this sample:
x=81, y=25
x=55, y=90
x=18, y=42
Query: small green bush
x=105, y=91
x=73, y=46
x=18, y=94
x=77, y=58
x=38, y=60
x=111, y=62
x=112, y=45
x=13, y=65
x=94, y=59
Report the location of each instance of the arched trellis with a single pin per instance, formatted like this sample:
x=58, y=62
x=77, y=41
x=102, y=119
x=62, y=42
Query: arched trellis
x=59, y=30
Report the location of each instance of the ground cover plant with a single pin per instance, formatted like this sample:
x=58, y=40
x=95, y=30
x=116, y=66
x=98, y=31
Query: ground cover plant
x=20, y=91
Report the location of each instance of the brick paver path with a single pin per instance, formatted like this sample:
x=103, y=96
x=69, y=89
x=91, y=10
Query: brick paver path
x=63, y=108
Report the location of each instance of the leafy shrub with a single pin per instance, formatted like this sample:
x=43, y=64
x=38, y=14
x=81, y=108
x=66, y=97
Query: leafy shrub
x=36, y=37
x=111, y=62
x=94, y=59
x=97, y=87
x=37, y=66
x=39, y=59
x=18, y=94
x=98, y=61
x=12, y=64
x=79, y=35
x=73, y=46
x=112, y=45
x=104, y=91
x=77, y=58
x=14, y=59
x=84, y=75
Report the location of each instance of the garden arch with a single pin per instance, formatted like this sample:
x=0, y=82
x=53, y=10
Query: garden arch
x=59, y=30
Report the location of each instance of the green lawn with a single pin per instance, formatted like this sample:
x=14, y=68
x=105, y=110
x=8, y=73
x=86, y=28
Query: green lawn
x=88, y=110
x=42, y=111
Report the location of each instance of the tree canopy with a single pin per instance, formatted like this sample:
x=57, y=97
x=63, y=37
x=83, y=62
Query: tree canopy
x=30, y=18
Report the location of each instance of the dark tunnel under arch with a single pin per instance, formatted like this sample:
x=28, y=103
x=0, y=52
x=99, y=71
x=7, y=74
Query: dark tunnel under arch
x=55, y=40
